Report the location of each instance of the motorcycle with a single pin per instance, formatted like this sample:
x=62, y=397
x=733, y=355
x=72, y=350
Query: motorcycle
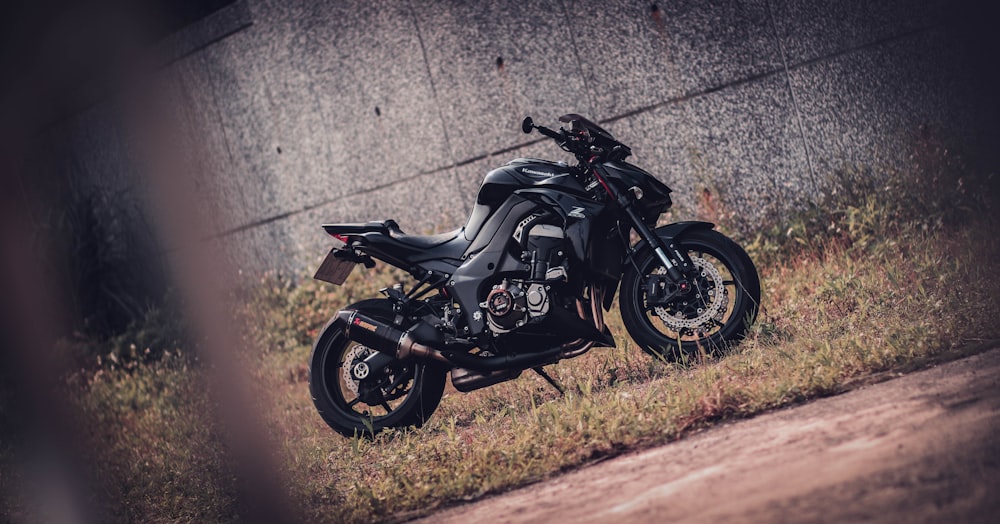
x=524, y=284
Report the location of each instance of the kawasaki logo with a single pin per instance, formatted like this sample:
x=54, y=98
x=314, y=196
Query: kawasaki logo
x=533, y=172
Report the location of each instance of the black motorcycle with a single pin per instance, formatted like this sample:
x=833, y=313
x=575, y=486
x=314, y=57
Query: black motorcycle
x=524, y=284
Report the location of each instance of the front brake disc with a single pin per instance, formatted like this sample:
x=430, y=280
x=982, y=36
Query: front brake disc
x=718, y=299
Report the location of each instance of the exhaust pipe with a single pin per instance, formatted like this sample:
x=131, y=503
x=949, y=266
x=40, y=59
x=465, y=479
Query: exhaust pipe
x=399, y=344
x=384, y=338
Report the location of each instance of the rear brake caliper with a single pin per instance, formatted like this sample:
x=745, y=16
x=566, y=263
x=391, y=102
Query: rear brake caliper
x=373, y=376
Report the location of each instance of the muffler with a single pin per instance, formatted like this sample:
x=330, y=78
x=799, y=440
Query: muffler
x=399, y=344
x=384, y=338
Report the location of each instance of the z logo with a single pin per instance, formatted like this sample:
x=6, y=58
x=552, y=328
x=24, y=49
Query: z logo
x=577, y=212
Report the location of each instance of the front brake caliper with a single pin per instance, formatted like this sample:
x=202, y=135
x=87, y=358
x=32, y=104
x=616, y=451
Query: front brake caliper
x=660, y=290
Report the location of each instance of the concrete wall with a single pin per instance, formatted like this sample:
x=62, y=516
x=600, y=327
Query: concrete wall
x=358, y=110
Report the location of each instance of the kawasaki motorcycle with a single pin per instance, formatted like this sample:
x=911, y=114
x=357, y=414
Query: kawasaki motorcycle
x=524, y=284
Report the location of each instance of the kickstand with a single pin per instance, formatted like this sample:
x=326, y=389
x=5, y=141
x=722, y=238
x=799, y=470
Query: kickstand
x=555, y=383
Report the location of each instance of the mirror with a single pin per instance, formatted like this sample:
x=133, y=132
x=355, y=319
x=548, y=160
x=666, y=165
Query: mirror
x=527, y=125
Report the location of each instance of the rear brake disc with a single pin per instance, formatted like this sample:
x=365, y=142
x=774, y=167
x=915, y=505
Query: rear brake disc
x=357, y=354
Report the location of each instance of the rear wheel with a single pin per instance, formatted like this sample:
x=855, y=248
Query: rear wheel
x=714, y=313
x=400, y=395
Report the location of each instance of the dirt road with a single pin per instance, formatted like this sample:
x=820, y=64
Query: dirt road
x=921, y=448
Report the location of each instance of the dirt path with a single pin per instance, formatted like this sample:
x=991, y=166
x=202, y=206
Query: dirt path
x=921, y=448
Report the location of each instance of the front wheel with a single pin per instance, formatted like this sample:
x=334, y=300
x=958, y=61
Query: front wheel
x=714, y=313
x=400, y=395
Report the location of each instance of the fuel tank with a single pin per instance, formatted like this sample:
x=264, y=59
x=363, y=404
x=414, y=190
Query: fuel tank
x=526, y=172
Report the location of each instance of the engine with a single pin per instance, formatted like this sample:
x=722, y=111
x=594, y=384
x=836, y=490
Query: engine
x=515, y=302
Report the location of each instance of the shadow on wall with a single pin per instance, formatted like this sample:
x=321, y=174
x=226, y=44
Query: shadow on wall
x=104, y=255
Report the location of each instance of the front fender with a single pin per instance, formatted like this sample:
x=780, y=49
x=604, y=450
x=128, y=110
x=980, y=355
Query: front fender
x=671, y=231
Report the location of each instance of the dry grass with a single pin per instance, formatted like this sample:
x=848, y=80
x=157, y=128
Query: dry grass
x=831, y=317
x=867, y=287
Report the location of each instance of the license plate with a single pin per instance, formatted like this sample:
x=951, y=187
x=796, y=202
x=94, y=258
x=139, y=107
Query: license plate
x=334, y=269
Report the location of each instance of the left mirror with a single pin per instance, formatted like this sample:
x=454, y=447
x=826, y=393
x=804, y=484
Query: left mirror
x=527, y=125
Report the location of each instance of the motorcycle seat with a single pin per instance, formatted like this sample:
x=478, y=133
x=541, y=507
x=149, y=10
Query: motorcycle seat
x=391, y=229
x=422, y=241
x=450, y=245
x=391, y=239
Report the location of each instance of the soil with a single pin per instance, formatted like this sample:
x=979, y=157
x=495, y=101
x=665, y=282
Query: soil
x=924, y=447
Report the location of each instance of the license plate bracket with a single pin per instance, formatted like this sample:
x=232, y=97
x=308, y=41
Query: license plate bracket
x=334, y=268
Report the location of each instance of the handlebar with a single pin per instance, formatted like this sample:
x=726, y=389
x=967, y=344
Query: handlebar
x=527, y=125
x=580, y=145
x=549, y=133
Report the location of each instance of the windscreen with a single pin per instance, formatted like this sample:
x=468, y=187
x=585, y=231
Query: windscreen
x=594, y=129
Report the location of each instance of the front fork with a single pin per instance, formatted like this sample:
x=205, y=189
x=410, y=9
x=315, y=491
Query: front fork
x=676, y=261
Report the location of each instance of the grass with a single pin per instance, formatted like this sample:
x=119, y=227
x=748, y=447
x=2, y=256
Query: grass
x=832, y=317
x=160, y=458
x=886, y=278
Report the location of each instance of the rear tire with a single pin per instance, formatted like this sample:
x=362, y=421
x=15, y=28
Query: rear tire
x=712, y=318
x=344, y=409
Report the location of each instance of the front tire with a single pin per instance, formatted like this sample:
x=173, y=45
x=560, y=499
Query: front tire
x=404, y=394
x=714, y=316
